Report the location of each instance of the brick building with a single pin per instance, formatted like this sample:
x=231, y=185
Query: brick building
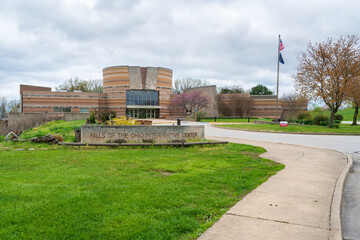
x=245, y=105
x=142, y=92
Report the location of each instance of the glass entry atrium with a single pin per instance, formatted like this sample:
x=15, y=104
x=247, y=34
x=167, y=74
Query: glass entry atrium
x=142, y=113
x=142, y=103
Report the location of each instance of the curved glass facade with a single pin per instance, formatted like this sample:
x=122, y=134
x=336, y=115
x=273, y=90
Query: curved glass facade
x=142, y=97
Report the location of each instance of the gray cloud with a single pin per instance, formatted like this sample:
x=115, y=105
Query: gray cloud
x=225, y=42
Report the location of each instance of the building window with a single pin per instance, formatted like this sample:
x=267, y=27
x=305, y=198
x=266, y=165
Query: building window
x=84, y=110
x=63, y=109
x=142, y=97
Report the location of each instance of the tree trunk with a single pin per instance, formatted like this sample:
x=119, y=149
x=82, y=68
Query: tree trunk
x=356, y=112
x=331, y=121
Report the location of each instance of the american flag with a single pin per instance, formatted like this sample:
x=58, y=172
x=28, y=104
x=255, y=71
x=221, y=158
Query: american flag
x=281, y=45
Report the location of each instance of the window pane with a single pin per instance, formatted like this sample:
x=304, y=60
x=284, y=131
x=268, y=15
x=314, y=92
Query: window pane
x=136, y=101
x=148, y=97
x=142, y=97
x=156, y=98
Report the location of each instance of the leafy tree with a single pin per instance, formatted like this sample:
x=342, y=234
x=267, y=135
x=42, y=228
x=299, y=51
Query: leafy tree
x=180, y=85
x=77, y=84
x=325, y=71
x=233, y=89
x=188, y=101
x=354, y=97
x=260, y=90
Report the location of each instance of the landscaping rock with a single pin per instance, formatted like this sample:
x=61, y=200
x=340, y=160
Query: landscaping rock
x=45, y=139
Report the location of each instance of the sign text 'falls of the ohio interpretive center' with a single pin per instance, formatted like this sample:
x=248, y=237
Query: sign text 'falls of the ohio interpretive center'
x=104, y=133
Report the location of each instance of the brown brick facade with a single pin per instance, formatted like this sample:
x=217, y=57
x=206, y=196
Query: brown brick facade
x=116, y=81
x=120, y=79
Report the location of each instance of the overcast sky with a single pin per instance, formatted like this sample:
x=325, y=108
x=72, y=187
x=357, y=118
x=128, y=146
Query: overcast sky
x=225, y=42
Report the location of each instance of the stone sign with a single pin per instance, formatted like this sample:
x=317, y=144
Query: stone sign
x=105, y=133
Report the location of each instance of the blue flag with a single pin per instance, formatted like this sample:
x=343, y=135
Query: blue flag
x=281, y=59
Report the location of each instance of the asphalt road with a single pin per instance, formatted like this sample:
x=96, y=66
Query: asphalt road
x=350, y=210
x=349, y=144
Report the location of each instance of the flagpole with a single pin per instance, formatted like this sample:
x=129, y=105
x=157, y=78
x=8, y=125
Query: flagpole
x=277, y=86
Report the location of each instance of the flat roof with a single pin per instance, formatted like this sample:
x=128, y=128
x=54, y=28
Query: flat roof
x=135, y=66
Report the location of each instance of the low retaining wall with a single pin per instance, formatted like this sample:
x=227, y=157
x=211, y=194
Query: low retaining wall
x=75, y=116
x=103, y=133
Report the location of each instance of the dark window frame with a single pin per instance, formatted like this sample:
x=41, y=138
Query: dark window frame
x=142, y=98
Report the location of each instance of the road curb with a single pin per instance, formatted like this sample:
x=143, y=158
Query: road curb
x=336, y=203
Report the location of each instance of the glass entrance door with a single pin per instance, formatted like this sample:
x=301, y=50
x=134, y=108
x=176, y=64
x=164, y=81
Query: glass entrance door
x=142, y=112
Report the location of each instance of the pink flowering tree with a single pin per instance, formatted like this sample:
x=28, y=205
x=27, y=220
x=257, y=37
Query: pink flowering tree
x=188, y=101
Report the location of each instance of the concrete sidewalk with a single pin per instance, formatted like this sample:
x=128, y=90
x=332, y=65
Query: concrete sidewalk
x=300, y=202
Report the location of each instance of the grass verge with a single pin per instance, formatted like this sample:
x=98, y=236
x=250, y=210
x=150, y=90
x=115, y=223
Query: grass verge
x=241, y=120
x=132, y=193
x=344, y=128
x=347, y=113
x=65, y=129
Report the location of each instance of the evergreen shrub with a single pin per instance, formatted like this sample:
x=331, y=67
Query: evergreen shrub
x=105, y=115
x=338, y=117
x=92, y=119
x=304, y=115
x=324, y=123
x=320, y=118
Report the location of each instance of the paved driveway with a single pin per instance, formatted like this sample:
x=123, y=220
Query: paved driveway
x=348, y=144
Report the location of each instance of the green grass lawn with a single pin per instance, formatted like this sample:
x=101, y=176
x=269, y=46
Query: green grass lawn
x=65, y=129
x=241, y=120
x=344, y=128
x=125, y=193
x=347, y=113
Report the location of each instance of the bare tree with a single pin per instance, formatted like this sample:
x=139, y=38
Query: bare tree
x=95, y=85
x=325, y=71
x=180, y=85
x=3, y=107
x=291, y=104
x=223, y=105
x=14, y=106
x=77, y=84
x=244, y=104
x=234, y=104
